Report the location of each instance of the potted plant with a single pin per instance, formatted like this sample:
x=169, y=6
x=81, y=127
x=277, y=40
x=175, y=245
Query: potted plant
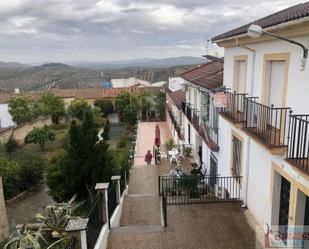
x=188, y=151
x=189, y=184
x=169, y=144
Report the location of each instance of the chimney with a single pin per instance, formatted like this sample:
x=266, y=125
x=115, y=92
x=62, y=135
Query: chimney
x=17, y=91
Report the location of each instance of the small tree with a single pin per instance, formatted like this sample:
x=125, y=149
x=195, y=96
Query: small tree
x=20, y=110
x=78, y=107
x=106, y=106
x=11, y=145
x=160, y=105
x=40, y=136
x=128, y=106
x=52, y=105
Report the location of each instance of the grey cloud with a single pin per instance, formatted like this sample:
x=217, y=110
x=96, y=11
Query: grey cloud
x=65, y=30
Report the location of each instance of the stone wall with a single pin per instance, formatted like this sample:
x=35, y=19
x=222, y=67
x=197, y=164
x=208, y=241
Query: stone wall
x=4, y=228
x=22, y=130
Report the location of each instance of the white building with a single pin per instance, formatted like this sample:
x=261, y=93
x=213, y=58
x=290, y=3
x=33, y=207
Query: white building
x=128, y=82
x=199, y=116
x=258, y=138
x=175, y=83
x=5, y=117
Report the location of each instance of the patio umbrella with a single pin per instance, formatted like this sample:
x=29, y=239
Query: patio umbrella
x=157, y=136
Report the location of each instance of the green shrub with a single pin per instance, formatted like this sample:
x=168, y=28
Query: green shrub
x=169, y=144
x=57, y=127
x=31, y=169
x=11, y=145
x=10, y=172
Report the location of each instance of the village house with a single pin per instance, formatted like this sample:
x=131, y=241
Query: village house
x=263, y=130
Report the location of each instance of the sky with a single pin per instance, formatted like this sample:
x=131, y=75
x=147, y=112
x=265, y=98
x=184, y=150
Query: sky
x=107, y=30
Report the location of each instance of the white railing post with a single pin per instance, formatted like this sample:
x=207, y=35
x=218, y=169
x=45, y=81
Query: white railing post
x=116, y=180
x=77, y=227
x=102, y=188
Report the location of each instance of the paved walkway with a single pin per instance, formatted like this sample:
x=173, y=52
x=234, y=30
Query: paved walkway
x=201, y=226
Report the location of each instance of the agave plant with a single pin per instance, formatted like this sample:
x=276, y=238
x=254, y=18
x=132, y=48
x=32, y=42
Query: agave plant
x=56, y=217
x=25, y=240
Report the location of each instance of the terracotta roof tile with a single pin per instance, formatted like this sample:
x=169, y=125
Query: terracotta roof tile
x=177, y=97
x=209, y=75
x=292, y=13
x=64, y=93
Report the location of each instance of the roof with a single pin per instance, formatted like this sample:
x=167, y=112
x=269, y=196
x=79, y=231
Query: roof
x=209, y=75
x=290, y=14
x=177, y=97
x=89, y=93
x=64, y=93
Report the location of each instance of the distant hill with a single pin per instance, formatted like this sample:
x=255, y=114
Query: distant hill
x=13, y=65
x=68, y=76
x=143, y=63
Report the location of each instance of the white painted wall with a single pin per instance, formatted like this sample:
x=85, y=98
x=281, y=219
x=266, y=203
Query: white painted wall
x=175, y=83
x=5, y=116
x=260, y=159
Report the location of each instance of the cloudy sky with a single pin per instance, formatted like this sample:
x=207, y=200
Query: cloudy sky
x=105, y=30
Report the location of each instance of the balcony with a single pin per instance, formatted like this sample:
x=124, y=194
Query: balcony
x=267, y=125
x=210, y=136
x=183, y=107
x=236, y=107
x=196, y=120
x=189, y=112
x=298, y=142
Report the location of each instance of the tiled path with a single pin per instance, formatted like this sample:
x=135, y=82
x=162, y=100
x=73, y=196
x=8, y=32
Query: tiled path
x=201, y=226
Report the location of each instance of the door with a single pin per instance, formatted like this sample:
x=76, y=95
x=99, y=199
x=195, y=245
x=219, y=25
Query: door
x=189, y=134
x=306, y=222
x=213, y=169
x=284, y=205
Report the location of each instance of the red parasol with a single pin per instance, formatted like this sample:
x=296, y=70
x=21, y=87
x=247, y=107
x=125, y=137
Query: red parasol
x=157, y=136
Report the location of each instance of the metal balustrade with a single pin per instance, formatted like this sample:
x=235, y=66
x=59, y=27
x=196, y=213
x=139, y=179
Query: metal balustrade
x=268, y=124
x=191, y=189
x=298, y=142
x=236, y=106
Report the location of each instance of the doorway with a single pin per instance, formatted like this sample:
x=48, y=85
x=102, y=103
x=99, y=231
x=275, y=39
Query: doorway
x=284, y=206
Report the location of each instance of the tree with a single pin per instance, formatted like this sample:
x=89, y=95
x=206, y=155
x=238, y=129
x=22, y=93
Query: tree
x=11, y=145
x=105, y=105
x=52, y=105
x=82, y=163
x=40, y=136
x=128, y=106
x=77, y=108
x=160, y=104
x=20, y=110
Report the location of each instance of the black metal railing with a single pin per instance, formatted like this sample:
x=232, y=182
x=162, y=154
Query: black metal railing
x=180, y=132
x=183, y=106
x=71, y=243
x=112, y=199
x=196, y=189
x=236, y=107
x=95, y=222
x=196, y=120
x=189, y=113
x=212, y=133
x=266, y=123
x=298, y=142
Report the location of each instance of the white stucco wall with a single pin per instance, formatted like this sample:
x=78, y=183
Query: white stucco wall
x=5, y=116
x=260, y=159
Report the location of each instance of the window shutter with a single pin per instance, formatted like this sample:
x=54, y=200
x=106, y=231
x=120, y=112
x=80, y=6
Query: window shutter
x=241, y=77
x=276, y=83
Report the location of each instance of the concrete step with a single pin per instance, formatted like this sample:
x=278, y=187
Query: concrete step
x=141, y=209
x=137, y=229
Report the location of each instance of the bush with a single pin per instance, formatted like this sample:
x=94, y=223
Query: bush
x=11, y=145
x=169, y=144
x=10, y=172
x=58, y=127
x=31, y=169
x=41, y=136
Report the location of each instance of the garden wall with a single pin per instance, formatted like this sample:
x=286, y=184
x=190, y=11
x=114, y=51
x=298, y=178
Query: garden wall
x=4, y=228
x=22, y=130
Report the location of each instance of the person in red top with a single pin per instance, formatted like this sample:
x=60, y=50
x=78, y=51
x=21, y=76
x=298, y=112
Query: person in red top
x=148, y=157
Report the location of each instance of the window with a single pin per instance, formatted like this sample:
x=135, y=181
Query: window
x=275, y=83
x=241, y=68
x=236, y=156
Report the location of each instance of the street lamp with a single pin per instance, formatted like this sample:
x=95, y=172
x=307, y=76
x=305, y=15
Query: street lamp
x=255, y=31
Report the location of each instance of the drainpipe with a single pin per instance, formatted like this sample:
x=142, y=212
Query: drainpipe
x=250, y=92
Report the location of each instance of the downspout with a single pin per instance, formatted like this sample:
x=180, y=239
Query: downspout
x=248, y=144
